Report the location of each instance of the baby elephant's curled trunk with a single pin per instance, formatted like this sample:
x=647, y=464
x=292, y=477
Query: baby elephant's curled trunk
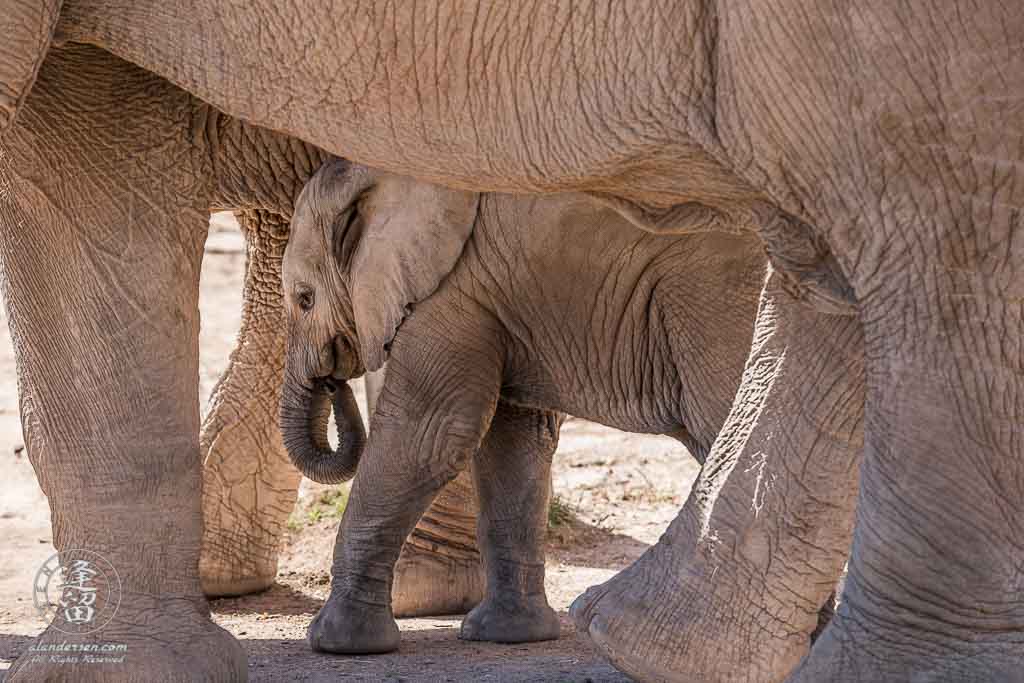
x=304, y=416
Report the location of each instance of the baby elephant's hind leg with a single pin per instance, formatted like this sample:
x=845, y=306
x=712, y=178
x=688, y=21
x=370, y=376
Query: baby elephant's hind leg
x=512, y=471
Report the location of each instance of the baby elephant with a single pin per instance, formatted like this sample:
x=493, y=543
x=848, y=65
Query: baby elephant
x=497, y=314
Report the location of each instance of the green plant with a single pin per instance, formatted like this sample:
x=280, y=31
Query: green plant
x=328, y=504
x=334, y=501
x=560, y=513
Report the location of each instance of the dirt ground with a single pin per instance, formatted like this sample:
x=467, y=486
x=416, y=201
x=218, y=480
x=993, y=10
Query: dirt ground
x=615, y=494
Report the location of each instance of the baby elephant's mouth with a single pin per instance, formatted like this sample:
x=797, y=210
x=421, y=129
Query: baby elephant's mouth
x=328, y=384
x=347, y=362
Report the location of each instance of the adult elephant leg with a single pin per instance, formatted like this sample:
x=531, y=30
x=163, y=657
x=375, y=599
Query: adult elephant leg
x=512, y=470
x=104, y=224
x=249, y=484
x=934, y=587
x=732, y=590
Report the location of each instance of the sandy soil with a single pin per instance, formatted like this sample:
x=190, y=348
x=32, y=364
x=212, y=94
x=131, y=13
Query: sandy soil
x=617, y=493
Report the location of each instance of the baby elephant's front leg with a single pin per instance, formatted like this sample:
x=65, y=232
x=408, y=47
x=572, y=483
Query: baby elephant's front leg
x=436, y=405
x=512, y=471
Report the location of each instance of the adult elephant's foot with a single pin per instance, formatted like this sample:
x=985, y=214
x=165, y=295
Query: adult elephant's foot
x=241, y=539
x=522, y=621
x=431, y=582
x=223, y=580
x=440, y=570
x=350, y=627
x=249, y=489
x=168, y=639
x=659, y=621
x=244, y=521
x=245, y=508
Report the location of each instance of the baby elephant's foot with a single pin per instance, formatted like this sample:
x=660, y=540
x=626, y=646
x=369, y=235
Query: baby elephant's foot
x=349, y=627
x=523, y=621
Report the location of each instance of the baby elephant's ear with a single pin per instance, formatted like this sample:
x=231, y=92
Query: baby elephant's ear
x=413, y=236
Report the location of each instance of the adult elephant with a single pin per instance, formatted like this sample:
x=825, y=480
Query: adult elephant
x=875, y=149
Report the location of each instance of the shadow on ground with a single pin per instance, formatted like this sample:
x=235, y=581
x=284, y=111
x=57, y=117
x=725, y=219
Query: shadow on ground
x=431, y=651
x=573, y=542
x=279, y=599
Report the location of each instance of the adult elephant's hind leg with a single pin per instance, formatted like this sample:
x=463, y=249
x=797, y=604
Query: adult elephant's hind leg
x=937, y=566
x=732, y=590
x=249, y=484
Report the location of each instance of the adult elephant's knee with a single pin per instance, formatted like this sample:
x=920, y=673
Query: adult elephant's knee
x=249, y=484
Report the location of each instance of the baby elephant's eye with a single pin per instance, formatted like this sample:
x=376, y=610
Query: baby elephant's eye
x=305, y=298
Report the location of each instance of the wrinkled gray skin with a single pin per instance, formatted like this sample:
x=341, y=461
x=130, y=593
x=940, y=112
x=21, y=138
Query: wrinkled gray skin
x=889, y=132
x=523, y=307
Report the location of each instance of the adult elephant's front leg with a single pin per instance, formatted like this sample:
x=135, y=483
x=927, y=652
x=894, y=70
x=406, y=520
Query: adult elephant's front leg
x=101, y=259
x=732, y=591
